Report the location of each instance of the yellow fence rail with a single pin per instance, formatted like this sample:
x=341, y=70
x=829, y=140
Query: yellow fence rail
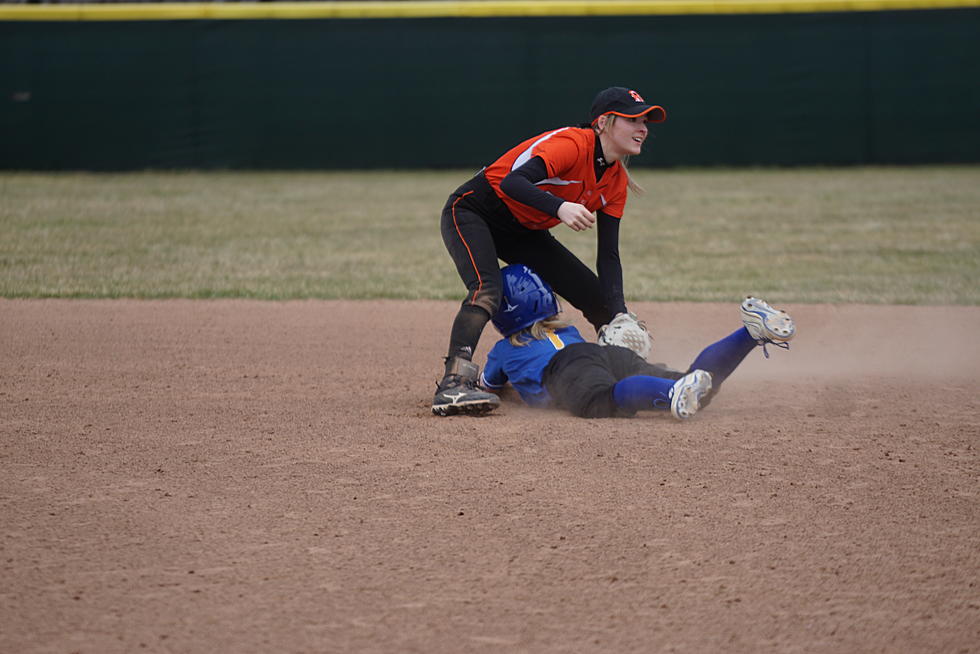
x=450, y=9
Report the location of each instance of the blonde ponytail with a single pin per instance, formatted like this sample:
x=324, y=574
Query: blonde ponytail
x=538, y=331
x=630, y=182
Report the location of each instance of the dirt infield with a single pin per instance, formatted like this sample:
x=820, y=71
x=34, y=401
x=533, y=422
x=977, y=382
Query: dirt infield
x=232, y=476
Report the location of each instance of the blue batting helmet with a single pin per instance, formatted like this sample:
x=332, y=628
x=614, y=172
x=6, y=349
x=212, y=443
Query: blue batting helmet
x=526, y=299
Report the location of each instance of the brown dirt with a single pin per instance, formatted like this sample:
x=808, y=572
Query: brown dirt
x=251, y=477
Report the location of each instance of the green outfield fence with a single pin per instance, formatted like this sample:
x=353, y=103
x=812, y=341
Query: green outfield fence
x=360, y=85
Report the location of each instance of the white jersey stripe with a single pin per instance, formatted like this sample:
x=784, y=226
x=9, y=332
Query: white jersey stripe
x=525, y=156
x=558, y=181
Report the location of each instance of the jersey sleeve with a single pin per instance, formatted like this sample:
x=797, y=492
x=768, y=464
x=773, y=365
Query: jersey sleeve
x=608, y=264
x=520, y=185
x=560, y=153
x=493, y=375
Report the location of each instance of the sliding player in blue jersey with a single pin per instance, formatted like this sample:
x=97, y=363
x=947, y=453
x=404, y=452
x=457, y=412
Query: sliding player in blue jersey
x=550, y=364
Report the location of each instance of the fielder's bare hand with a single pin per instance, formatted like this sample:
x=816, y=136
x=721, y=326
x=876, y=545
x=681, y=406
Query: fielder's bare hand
x=576, y=216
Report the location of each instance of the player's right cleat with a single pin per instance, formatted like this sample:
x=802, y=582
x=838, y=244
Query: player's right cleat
x=457, y=392
x=685, y=396
x=765, y=324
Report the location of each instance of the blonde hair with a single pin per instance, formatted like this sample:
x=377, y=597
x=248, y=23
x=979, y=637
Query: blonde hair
x=630, y=182
x=536, y=331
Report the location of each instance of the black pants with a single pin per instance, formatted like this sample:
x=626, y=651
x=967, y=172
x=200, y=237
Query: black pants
x=477, y=229
x=580, y=378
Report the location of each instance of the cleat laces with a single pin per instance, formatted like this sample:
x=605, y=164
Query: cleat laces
x=783, y=345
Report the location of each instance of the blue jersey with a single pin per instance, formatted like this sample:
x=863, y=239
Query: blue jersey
x=522, y=366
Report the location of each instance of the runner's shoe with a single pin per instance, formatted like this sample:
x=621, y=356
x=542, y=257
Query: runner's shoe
x=685, y=397
x=457, y=392
x=765, y=324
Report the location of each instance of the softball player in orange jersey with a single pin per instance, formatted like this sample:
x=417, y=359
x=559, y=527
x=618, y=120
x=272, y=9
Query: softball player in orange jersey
x=571, y=175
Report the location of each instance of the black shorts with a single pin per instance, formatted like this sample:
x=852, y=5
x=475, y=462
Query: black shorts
x=581, y=378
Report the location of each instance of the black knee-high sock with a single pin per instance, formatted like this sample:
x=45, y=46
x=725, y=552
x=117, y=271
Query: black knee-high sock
x=467, y=328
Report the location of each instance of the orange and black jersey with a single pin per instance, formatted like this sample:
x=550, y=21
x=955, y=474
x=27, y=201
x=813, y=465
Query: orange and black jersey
x=531, y=181
x=568, y=155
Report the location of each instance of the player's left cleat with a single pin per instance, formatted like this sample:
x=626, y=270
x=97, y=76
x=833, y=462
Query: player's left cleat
x=766, y=324
x=457, y=392
x=685, y=396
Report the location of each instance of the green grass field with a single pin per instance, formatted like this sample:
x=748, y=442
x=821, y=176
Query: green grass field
x=876, y=235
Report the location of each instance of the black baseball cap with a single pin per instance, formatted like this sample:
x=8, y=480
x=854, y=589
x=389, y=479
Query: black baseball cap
x=625, y=102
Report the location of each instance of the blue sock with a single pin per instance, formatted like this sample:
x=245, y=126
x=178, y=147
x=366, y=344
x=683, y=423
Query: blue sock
x=643, y=393
x=721, y=358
